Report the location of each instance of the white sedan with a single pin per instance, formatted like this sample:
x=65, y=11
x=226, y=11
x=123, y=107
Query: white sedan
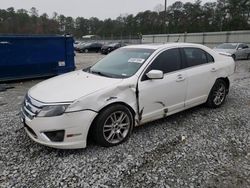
x=236, y=50
x=129, y=87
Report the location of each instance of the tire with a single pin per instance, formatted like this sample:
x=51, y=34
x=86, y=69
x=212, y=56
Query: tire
x=234, y=57
x=109, y=130
x=217, y=94
x=86, y=50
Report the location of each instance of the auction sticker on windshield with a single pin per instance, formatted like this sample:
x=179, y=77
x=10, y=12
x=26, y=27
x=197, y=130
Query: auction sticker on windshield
x=136, y=60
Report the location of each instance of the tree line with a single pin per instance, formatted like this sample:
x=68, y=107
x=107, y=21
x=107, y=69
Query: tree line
x=222, y=15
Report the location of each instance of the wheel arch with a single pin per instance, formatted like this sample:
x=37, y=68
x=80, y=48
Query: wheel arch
x=91, y=128
x=234, y=56
x=227, y=81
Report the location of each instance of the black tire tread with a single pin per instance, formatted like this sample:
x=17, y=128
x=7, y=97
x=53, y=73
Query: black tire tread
x=99, y=121
x=210, y=102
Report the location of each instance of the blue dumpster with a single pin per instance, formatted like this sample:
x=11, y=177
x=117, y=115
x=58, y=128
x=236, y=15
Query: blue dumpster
x=24, y=57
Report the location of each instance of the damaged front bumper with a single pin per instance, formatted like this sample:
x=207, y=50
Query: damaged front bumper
x=68, y=131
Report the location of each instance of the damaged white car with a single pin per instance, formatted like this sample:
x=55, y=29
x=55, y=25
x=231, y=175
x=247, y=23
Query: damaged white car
x=129, y=87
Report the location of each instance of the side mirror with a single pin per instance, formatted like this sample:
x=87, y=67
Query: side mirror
x=155, y=74
x=240, y=48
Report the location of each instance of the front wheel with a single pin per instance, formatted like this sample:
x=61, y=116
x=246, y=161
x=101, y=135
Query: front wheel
x=217, y=94
x=113, y=126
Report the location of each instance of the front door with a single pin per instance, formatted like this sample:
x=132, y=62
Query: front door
x=159, y=97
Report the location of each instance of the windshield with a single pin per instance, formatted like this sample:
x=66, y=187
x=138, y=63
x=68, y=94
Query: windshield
x=227, y=46
x=122, y=63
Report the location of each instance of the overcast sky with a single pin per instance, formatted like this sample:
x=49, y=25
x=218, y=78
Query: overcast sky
x=87, y=8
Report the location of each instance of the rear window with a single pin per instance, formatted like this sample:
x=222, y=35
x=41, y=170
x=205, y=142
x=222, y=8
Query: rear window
x=196, y=56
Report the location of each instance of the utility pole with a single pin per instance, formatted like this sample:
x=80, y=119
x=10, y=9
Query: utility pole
x=165, y=16
x=165, y=8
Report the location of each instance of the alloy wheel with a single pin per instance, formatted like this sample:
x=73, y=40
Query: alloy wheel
x=116, y=127
x=219, y=94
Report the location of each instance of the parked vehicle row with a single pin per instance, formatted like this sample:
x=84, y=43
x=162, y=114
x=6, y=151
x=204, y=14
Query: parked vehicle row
x=85, y=47
x=106, y=49
x=129, y=87
x=235, y=50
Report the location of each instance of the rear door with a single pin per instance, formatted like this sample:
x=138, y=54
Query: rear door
x=201, y=75
x=157, y=98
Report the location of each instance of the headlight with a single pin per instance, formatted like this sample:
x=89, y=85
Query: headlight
x=50, y=111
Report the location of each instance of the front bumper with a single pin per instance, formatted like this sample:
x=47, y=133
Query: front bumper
x=76, y=126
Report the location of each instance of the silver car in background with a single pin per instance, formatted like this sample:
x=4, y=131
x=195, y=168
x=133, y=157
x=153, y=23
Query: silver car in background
x=236, y=50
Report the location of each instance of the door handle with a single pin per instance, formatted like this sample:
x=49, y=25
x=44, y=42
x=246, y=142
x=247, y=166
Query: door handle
x=213, y=70
x=180, y=78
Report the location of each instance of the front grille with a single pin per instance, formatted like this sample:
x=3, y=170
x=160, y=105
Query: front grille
x=25, y=113
x=30, y=107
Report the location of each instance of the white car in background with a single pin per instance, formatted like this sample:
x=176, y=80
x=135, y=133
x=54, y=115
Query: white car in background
x=127, y=88
x=236, y=50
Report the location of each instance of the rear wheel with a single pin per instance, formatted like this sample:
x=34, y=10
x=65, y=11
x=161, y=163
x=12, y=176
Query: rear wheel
x=113, y=126
x=217, y=94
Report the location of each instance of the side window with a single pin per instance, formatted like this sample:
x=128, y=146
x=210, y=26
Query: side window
x=210, y=58
x=240, y=46
x=195, y=56
x=167, y=61
x=245, y=46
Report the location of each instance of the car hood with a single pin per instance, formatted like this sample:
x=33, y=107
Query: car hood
x=230, y=51
x=69, y=87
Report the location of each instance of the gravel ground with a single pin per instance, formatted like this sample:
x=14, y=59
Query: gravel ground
x=200, y=147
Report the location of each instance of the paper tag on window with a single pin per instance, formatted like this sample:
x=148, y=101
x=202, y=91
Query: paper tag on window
x=136, y=60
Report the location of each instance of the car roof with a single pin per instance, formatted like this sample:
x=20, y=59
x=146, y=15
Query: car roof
x=157, y=46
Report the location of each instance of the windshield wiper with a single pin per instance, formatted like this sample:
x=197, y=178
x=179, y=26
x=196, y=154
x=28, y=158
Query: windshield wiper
x=99, y=73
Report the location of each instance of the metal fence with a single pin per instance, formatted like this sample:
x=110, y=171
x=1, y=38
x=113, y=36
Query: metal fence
x=210, y=39
x=123, y=40
x=131, y=39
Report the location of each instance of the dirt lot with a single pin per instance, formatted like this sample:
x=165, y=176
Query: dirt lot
x=200, y=147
